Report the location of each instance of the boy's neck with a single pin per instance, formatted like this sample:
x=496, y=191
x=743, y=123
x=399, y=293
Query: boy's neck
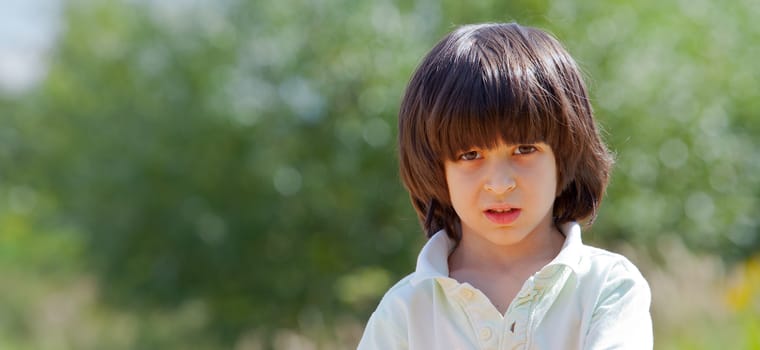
x=500, y=271
x=476, y=254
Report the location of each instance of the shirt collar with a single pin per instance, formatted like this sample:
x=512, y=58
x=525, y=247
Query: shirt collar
x=433, y=259
x=570, y=254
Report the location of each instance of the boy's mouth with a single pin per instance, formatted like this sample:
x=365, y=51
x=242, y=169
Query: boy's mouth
x=501, y=210
x=502, y=216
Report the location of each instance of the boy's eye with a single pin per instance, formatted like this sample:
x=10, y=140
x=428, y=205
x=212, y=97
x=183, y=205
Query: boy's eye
x=471, y=155
x=525, y=149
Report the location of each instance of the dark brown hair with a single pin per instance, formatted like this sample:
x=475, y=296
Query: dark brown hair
x=486, y=83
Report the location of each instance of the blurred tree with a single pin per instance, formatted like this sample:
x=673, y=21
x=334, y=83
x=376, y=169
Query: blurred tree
x=675, y=85
x=241, y=154
x=200, y=156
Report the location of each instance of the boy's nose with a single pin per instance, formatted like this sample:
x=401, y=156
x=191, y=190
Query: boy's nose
x=500, y=182
x=500, y=187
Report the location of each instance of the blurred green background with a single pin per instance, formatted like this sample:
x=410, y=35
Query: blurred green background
x=204, y=174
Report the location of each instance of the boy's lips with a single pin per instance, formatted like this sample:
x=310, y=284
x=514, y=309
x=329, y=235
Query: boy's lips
x=502, y=215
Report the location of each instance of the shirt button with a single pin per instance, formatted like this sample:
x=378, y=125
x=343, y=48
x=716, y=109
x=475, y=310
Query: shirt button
x=485, y=333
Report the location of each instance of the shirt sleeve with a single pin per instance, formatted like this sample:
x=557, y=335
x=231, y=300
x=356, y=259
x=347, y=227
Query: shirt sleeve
x=385, y=330
x=621, y=318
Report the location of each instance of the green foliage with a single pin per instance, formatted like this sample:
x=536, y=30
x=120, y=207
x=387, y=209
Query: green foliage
x=240, y=155
x=672, y=87
x=199, y=168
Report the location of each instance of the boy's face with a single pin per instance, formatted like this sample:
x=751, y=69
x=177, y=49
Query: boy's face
x=504, y=194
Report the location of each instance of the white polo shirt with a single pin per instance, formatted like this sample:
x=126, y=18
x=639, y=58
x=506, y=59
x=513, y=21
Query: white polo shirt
x=586, y=298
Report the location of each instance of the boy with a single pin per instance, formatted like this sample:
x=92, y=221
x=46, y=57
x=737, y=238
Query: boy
x=501, y=156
